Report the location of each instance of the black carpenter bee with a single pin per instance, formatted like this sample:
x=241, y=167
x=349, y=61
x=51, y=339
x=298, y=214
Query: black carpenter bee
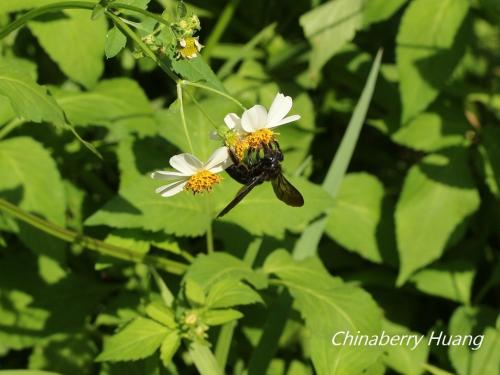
x=262, y=164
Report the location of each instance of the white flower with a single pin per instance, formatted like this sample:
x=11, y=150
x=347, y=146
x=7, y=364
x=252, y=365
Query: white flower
x=191, y=174
x=257, y=117
x=189, y=47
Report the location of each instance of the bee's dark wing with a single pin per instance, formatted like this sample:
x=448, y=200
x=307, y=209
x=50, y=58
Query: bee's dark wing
x=286, y=192
x=242, y=193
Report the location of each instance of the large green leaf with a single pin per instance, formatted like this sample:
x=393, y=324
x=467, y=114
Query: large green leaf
x=452, y=280
x=475, y=359
x=229, y=292
x=119, y=104
x=431, y=131
x=356, y=218
x=329, y=306
x=28, y=99
x=262, y=203
x=428, y=50
x=31, y=178
x=197, y=70
x=328, y=28
x=138, y=339
x=75, y=43
x=379, y=10
x=438, y=196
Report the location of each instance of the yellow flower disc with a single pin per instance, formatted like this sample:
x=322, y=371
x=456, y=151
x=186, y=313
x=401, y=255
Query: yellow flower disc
x=202, y=181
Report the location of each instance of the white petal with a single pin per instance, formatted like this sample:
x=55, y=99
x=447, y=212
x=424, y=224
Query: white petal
x=232, y=120
x=254, y=118
x=217, y=161
x=182, y=43
x=286, y=120
x=171, y=189
x=281, y=106
x=186, y=163
x=167, y=175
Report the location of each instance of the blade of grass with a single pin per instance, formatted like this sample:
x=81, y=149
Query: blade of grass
x=308, y=242
x=220, y=27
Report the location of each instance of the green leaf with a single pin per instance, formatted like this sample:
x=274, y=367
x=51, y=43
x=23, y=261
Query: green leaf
x=475, y=359
x=229, y=292
x=262, y=203
x=218, y=317
x=28, y=372
x=207, y=270
x=161, y=313
x=355, y=220
x=34, y=173
x=28, y=99
x=195, y=70
x=115, y=42
x=428, y=50
x=431, y=131
x=139, y=339
x=328, y=28
x=169, y=347
x=405, y=359
x=490, y=152
x=451, y=280
x=79, y=46
x=194, y=292
x=119, y=104
x=318, y=295
x=380, y=10
x=438, y=196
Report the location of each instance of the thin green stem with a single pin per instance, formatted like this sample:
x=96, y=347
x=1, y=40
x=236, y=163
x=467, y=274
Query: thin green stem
x=215, y=91
x=147, y=51
x=144, y=12
x=210, y=239
x=183, y=117
x=91, y=243
x=220, y=128
x=10, y=126
x=221, y=25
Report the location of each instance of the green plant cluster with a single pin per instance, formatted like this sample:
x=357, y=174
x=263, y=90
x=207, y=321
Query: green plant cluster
x=397, y=155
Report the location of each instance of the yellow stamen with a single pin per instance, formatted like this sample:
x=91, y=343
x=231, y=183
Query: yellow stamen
x=202, y=181
x=258, y=137
x=188, y=49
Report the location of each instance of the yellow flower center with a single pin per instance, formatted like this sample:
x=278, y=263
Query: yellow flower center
x=190, y=49
x=202, y=181
x=258, y=137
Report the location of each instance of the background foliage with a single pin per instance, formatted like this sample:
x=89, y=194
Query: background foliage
x=406, y=242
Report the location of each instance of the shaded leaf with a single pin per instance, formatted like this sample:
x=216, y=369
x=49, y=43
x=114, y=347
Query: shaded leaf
x=428, y=50
x=79, y=46
x=438, y=196
x=318, y=295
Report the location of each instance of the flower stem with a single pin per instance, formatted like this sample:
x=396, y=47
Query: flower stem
x=183, y=117
x=92, y=243
x=220, y=129
x=215, y=91
x=160, y=19
x=147, y=51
